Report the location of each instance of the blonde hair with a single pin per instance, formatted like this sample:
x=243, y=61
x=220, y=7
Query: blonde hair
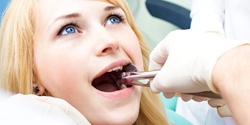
x=17, y=29
x=17, y=67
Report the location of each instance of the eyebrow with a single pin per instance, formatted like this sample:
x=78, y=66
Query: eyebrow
x=109, y=8
x=76, y=15
x=68, y=16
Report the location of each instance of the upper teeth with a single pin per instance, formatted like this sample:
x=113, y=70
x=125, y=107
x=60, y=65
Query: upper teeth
x=115, y=69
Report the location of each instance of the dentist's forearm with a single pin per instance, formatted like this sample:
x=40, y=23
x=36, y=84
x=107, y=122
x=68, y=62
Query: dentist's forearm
x=231, y=75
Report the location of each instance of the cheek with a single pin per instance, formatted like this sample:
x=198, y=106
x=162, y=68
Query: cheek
x=59, y=70
x=133, y=50
x=51, y=71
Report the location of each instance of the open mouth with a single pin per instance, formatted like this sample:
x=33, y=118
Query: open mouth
x=112, y=80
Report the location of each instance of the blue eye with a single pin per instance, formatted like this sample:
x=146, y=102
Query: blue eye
x=68, y=30
x=113, y=20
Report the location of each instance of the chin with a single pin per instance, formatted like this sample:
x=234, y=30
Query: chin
x=117, y=119
x=122, y=113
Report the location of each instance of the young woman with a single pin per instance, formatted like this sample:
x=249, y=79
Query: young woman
x=72, y=50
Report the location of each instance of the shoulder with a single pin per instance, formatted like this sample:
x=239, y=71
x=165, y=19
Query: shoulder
x=39, y=110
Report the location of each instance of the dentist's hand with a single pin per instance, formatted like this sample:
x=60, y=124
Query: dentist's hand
x=221, y=106
x=186, y=59
x=39, y=110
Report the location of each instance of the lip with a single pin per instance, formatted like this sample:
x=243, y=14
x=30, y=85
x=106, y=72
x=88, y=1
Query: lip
x=119, y=94
x=116, y=95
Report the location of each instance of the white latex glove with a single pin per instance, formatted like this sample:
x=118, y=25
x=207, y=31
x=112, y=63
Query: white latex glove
x=221, y=106
x=39, y=110
x=186, y=59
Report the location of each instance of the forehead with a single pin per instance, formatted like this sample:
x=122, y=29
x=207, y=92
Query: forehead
x=54, y=5
x=48, y=10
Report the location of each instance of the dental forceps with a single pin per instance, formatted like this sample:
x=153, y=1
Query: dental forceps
x=143, y=79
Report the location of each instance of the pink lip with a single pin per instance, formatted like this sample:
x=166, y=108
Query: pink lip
x=120, y=94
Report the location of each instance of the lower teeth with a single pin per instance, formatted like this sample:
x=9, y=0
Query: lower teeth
x=123, y=86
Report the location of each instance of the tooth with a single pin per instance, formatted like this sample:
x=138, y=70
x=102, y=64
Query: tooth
x=115, y=69
x=123, y=86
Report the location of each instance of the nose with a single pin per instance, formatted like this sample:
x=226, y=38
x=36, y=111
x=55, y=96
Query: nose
x=107, y=42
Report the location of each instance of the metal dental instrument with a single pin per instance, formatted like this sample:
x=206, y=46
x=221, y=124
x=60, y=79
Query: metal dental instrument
x=143, y=78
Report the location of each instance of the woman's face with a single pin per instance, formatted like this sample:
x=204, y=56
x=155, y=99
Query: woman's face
x=77, y=41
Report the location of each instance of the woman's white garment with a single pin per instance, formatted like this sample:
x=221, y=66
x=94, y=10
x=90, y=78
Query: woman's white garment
x=38, y=110
x=229, y=18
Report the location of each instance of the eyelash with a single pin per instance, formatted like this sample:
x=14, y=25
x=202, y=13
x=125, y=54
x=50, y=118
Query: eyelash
x=71, y=23
x=75, y=24
x=121, y=17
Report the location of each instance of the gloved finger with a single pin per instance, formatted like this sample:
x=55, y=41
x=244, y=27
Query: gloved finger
x=163, y=81
x=153, y=87
x=168, y=95
x=216, y=102
x=158, y=56
x=221, y=106
x=224, y=111
x=158, y=60
x=186, y=97
x=199, y=98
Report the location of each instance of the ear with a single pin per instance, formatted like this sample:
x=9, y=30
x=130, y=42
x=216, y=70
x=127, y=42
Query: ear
x=38, y=89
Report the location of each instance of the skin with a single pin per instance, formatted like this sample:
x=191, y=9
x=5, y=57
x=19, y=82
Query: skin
x=231, y=77
x=67, y=63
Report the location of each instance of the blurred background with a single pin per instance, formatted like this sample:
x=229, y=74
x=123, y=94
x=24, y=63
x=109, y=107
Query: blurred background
x=3, y=4
x=155, y=28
